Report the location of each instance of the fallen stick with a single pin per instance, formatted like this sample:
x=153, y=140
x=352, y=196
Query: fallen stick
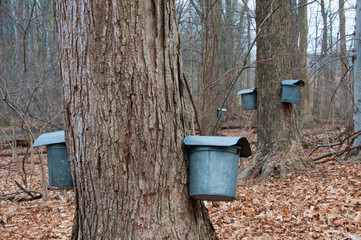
x=352, y=137
x=338, y=153
x=10, y=196
x=29, y=192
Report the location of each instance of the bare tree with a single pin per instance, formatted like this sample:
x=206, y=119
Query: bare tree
x=279, y=149
x=210, y=86
x=305, y=107
x=123, y=95
x=344, y=66
x=357, y=73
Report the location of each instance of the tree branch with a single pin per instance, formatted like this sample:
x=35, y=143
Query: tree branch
x=339, y=153
x=352, y=137
x=29, y=192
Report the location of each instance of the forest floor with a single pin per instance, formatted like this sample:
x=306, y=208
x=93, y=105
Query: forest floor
x=323, y=203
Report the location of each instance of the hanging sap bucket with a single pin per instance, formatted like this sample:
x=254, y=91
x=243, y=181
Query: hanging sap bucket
x=291, y=90
x=249, y=98
x=221, y=112
x=58, y=163
x=213, y=166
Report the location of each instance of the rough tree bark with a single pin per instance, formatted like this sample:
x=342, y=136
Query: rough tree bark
x=122, y=86
x=279, y=149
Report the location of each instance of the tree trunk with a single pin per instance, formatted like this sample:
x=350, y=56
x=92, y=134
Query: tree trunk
x=323, y=104
x=344, y=67
x=210, y=86
x=122, y=86
x=342, y=30
x=304, y=110
x=305, y=107
x=295, y=35
x=279, y=149
x=357, y=74
x=231, y=52
x=20, y=32
x=249, y=83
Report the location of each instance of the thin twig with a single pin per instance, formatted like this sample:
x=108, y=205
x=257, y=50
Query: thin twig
x=26, y=122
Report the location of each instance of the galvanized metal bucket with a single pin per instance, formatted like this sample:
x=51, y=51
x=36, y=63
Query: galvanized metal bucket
x=58, y=163
x=222, y=111
x=59, y=166
x=213, y=173
x=291, y=90
x=213, y=166
x=249, y=98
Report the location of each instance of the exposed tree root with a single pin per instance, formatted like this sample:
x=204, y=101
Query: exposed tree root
x=277, y=162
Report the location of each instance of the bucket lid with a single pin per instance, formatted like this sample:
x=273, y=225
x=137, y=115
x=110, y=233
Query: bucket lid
x=293, y=82
x=50, y=138
x=218, y=141
x=247, y=91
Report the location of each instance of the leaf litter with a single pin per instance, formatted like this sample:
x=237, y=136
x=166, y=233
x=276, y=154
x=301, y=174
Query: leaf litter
x=323, y=203
x=318, y=204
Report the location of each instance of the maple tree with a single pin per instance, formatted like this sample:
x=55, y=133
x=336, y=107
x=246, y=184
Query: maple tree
x=125, y=121
x=279, y=149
